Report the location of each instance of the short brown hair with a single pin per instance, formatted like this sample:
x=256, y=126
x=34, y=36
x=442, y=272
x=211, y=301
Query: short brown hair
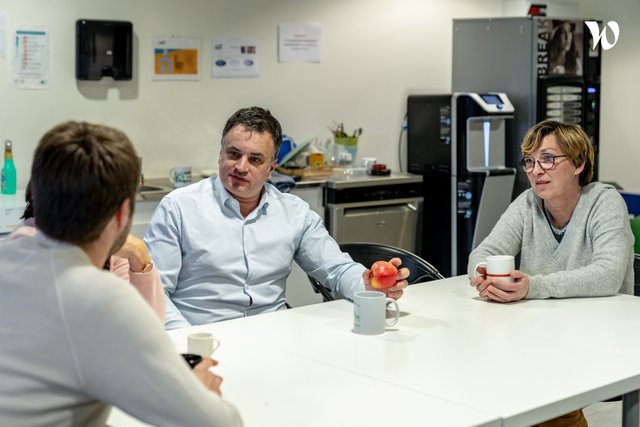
x=258, y=120
x=80, y=176
x=573, y=142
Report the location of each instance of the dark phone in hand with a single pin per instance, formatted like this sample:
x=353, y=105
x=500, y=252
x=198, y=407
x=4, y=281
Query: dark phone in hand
x=192, y=359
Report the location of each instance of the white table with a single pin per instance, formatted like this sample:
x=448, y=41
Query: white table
x=453, y=359
x=273, y=387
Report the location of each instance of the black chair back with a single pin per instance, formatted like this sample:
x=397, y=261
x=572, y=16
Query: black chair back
x=367, y=253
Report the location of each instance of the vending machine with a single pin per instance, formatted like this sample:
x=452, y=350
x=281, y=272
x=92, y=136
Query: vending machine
x=458, y=144
x=548, y=67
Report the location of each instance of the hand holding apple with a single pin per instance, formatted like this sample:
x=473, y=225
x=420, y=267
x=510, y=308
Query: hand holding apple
x=383, y=274
x=395, y=282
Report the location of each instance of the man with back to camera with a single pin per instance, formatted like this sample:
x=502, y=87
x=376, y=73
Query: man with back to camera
x=224, y=246
x=78, y=339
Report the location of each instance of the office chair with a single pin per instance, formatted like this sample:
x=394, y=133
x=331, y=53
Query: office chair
x=368, y=253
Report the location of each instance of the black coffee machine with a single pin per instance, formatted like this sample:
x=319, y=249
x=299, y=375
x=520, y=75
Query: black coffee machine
x=457, y=143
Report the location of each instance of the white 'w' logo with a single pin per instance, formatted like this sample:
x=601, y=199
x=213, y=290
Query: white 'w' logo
x=597, y=35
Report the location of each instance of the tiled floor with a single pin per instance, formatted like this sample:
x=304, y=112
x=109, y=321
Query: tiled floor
x=604, y=414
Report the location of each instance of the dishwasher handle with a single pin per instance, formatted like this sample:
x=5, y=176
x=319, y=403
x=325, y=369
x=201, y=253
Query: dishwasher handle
x=406, y=201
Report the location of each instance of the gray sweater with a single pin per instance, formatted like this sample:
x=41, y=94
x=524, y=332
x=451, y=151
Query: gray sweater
x=77, y=340
x=594, y=258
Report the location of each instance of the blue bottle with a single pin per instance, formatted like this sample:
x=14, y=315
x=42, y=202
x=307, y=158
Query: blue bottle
x=9, y=170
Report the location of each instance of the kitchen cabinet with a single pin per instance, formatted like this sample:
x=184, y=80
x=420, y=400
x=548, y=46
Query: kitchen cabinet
x=299, y=291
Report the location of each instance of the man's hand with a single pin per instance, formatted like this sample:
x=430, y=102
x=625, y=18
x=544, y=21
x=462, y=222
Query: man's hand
x=210, y=380
x=394, y=291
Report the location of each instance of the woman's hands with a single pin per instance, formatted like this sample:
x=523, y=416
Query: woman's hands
x=501, y=290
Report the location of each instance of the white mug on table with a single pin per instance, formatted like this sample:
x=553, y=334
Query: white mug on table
x=369, y=312
x=202, y=344
x=497, y=267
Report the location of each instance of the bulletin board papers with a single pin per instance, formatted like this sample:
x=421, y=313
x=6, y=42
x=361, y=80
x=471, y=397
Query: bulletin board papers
x=237, y=57
x=176, y=58
x=31, y=58
x=299, y=43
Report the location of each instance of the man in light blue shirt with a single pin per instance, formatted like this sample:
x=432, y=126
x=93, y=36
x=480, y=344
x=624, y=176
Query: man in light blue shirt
x=224, y=246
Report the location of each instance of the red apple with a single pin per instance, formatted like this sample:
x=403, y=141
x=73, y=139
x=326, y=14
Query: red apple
x=384, y=274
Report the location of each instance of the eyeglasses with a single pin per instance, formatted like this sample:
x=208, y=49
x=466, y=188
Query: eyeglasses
x=546, y=162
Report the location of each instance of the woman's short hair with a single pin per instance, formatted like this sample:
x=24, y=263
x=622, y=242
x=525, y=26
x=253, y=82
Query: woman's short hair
x=573, y=142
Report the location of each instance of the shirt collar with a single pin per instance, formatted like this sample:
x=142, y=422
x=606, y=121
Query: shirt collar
x=226, y=199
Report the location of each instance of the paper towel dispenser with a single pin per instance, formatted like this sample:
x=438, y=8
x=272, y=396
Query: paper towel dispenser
x=104, y=49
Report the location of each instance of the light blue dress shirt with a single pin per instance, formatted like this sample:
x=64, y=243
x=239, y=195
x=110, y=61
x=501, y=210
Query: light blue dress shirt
x=216, y=265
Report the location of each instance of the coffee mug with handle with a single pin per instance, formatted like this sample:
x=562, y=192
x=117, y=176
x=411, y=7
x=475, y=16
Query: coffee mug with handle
x=369, y=312
x=497, y=267
x=180, y=176
x=202, y=344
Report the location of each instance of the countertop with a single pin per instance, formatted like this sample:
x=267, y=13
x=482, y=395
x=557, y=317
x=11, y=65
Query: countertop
x=160, y=187
x=154, y=189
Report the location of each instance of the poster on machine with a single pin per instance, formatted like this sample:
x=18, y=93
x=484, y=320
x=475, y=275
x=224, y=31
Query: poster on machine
x=560, y=47
x=560, y=54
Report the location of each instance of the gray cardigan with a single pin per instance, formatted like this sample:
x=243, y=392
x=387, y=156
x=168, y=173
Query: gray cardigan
x=594, y=258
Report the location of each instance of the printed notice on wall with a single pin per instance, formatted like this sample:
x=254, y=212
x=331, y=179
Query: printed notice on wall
x=234, y=58
x=31, y=58
x=3, y=35
x=176, y=58
x=299, y=43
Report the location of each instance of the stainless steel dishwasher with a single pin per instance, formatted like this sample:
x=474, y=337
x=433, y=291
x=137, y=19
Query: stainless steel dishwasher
x=375, y=209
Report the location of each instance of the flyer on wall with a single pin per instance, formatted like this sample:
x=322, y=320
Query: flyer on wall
x=237, y=57
x=176, y=58
x=299, y=43
x=31, y=58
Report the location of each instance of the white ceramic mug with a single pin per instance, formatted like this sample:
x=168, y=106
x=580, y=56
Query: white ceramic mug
x=497, y=267
x=202, y=343
x=180, y=176
x=369, y=312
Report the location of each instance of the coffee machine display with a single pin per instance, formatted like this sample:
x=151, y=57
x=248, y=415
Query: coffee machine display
x=457, y=143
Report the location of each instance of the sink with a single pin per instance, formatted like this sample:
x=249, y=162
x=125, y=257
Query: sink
x=146, y=188
x=153, y=192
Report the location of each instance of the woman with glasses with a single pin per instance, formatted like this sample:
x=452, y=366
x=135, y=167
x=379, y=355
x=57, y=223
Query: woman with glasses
x=572, y=235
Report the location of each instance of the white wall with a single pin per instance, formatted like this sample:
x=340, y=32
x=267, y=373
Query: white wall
x=619, y=131
x=375, y=53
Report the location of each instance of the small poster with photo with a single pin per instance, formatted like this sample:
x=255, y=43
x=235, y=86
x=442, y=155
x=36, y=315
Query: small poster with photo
x=560, y=47
x=234, y=57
